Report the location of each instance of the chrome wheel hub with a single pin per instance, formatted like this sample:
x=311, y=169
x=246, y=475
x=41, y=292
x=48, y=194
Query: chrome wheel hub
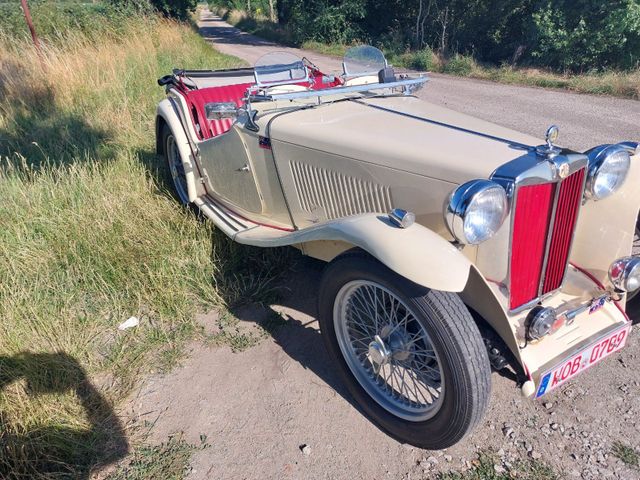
x=388, y=350
x=379, y=354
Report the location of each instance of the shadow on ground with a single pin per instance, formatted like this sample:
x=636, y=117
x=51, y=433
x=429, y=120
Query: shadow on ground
x=51, y=448
x=295, y=285
x=230, y=35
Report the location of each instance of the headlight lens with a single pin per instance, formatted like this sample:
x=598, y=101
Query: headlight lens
x=608, y=170
x=624, y=273
x=475, y=211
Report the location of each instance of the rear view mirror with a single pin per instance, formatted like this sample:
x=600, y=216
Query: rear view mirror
x=220, y=110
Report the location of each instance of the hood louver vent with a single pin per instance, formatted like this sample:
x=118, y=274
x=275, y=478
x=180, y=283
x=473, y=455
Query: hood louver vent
x=337, y=194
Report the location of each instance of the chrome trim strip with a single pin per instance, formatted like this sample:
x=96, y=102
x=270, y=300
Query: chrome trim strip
x=339, y=90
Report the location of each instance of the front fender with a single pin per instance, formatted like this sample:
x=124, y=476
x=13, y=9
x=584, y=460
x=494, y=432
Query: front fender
x=416, y=253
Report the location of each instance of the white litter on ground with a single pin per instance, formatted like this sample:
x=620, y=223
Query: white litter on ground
x=130, y=323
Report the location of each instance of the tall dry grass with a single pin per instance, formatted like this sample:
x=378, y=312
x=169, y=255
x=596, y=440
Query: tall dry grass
x=89, y=236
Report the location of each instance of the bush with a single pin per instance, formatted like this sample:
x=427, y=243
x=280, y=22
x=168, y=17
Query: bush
x=462, y=65
x=178, y=9
x=423, y=60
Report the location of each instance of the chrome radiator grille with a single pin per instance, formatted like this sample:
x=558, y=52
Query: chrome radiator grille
x=544, y=219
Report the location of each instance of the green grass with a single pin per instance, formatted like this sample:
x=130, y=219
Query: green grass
x=167, y=461
x=90, y=235
x=54, y=19
x=627, y=454
x=483, y=469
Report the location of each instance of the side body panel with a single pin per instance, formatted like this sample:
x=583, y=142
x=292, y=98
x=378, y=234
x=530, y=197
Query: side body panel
x=320, y=186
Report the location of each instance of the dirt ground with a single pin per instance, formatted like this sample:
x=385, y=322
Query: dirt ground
x=258, y=407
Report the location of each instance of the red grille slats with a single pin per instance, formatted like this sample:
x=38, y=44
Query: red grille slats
x=529, y=276
x=534, y=204
x=565, y=221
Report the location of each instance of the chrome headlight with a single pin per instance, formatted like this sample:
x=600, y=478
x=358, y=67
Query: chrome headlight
x=624, y=273
x=608, y=169
x=475, y=211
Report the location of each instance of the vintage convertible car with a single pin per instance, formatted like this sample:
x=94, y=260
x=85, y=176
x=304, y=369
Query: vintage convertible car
x=453, y=245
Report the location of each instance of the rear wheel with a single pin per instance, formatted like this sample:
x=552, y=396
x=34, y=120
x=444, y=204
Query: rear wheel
x=412, y=358
x=174, y=161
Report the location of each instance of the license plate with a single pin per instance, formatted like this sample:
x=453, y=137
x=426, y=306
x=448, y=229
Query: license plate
x=583, y=360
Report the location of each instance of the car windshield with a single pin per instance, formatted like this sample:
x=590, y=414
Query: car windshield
x=283, y=75
x=280, y=68
x=363, y=60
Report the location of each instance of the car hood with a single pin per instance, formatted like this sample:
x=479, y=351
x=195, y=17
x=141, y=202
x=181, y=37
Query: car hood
x=404, y=133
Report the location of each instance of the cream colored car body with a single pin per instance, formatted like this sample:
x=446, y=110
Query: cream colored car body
x=336, y=167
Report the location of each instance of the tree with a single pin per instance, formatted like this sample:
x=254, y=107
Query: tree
x=179, y=9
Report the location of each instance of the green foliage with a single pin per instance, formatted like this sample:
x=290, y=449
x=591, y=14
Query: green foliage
x=627, y=454
x=567, y=35
x=583, y=34
x=423, y=60
x=180, y=9
x=90, y=235
x=462, y=65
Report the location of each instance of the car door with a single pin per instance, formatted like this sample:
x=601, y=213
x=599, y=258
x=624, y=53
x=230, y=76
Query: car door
x=228, y=171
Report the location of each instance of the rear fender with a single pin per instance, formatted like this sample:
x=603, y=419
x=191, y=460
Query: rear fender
x=168, y=112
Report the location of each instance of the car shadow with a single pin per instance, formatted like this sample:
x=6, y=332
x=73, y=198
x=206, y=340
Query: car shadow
x=52, y=448
x=295, y=328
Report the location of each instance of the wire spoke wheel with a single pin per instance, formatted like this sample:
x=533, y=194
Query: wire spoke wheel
x=176, y=168
x=388, y=350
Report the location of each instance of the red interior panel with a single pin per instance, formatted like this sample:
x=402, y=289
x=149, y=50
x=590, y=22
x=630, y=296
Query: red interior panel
x=197, y=99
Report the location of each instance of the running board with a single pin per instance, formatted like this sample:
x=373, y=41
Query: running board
x=239, y=228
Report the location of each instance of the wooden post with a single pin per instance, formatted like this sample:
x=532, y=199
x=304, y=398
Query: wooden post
x=27, y=16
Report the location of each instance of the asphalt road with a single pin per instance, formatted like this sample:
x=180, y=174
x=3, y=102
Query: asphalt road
x=584, y=120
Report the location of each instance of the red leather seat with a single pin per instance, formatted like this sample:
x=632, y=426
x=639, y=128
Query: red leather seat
x=197, y=99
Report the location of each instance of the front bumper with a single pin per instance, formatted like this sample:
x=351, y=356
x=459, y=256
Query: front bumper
x=586, y=328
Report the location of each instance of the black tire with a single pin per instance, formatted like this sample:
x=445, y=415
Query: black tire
x=180, y=190
x=455, y=338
